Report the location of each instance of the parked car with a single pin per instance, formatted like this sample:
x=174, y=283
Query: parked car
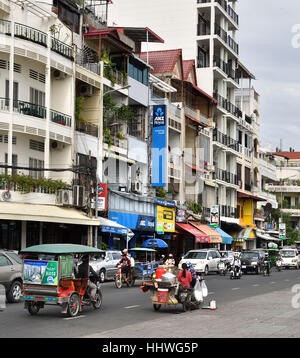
x=252, y=261
x=11, y=275
x=105, y=265
x=290, y=258
x=205, y=260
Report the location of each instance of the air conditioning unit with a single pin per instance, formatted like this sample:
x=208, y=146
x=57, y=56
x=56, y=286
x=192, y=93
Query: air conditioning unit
x=57, y=146
x=86, y=90
x=136, y=187
x=79, y=197
x=63, y=197
x=58, y=75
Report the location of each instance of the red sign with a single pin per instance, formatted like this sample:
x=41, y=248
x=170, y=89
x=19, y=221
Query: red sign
x=102, y=197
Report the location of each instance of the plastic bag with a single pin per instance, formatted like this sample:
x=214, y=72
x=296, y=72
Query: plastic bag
x=204, y=289
x=198, y=292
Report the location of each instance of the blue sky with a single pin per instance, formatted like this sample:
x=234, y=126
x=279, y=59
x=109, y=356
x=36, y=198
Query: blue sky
x=271, y=51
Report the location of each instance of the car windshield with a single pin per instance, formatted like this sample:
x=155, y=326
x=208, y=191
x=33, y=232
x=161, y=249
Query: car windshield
x=15, y=257
x=288, y=253
x=249, y=255
x=196, y=255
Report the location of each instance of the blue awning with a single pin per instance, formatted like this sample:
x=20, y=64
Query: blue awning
x=226, y=238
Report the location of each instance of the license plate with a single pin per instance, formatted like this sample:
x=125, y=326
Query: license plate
x=243, y=266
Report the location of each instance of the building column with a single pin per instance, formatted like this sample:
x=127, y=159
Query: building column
x=48, y=104
x=23, y=234
x=41, y=233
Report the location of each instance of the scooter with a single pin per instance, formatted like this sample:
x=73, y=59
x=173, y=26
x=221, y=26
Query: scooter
x=278, y=265
x=267, y=269
x=86, y=299
x=235, y=272
x=222, y=268
x=187, y=297
x=120, y=278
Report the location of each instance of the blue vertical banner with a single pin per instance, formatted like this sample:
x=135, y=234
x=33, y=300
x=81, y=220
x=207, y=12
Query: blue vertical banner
x=159, y=146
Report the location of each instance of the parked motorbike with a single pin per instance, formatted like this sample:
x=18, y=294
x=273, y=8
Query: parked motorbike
x=120, y=278
x=222, y=268
x=187, y=297
x=235, y=272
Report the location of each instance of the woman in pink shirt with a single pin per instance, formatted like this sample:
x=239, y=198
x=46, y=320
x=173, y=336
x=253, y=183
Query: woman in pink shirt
x=184, y=276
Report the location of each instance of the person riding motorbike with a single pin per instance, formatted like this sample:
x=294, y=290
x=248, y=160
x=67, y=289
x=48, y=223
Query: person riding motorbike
x=185, y=276
x=236, y=264
x=126, y=265
x=170, y=261
x=267, y=262
x=85, y=270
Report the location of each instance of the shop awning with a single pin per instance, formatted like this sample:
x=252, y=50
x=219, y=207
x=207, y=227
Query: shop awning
x=226, y=238
x=214, y=237
x=245, y=234
x=113, y=227
x=200, y=237
x=265, y=236
x=44, y=213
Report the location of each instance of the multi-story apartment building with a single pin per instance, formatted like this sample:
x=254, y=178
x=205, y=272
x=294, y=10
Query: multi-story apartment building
x=209, y=37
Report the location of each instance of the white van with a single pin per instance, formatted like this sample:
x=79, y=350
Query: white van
x=290, y=258
x=205, y=260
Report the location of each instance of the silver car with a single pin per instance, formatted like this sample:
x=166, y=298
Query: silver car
x=11, y=275
x=105, y=265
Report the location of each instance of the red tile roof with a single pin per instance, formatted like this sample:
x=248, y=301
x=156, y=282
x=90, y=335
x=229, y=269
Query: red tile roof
x=288, y=155
x=162, y=61
x=187, y=68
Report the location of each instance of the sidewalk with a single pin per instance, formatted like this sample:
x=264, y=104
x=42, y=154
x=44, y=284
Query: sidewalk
x=269, y=315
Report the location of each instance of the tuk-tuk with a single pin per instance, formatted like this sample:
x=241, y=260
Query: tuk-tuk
x=273, y=254
x=145, y=263
x=49, y=278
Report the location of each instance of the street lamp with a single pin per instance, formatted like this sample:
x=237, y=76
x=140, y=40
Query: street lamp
x=99, y=155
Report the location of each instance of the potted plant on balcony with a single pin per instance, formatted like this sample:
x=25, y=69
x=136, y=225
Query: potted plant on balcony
x=78, y=112
x=109, y=67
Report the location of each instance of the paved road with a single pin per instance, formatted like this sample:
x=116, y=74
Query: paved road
x=129, y=306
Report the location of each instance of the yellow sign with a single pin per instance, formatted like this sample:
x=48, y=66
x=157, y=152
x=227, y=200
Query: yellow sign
x=166, y=217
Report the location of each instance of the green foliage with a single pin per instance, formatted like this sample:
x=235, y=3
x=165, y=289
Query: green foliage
x=161, y=192
x=194, y=207
x=104, y=246
x=27, y=184
x=291, y=233
x=107, y=137
x=78, y=110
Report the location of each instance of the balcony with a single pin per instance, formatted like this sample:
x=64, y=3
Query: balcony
x=115, y=76
x=41, y=38
x=60, y=118
x=225, y=140
x=226, y=176
x=87, y=128
x=233, y=15
x=228, y=106
x=226, y=38
x=29, y=109
x=225, y=67
x=229, y=212
x=175, y=111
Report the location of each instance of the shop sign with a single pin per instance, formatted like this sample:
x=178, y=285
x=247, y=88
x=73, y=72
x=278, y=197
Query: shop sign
x=180, y=216
x=214, y=216
x=165, y=216
x=102, y=197
x=282, y=231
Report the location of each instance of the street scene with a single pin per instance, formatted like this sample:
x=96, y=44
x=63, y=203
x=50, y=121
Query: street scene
x=149, y=170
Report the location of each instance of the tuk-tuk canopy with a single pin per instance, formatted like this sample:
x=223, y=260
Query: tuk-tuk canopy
x=142, y=249
x=61, y=249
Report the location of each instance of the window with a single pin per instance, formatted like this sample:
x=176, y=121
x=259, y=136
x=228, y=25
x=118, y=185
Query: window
x=14, y=162
x=36, y=163
x=4, y=139
x=37, y=97
x=15, y=92
x=16, y=257
x=4, y=261
x=35, y=145
x=138, y=73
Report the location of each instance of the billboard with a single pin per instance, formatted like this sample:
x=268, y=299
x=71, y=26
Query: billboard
x=165, y=219
x=41, y=272
x=159, y=146
x=214, y=216
x=282, y=231
x=133, y=221
x=102, y=197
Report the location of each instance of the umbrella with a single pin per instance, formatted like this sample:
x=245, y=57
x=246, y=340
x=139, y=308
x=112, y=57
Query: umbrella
x=154, y=243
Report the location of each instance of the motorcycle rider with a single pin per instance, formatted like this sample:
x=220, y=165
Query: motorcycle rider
x=184, y=276
x=236, y=263
x=126, y=265
x=267, y=262
x=193, y=273
x=85, y=270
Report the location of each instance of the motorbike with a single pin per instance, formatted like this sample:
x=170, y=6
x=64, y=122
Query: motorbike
x=278, y=265
x=267, y=268
x=86, y=300
x=235, y=272
x=222, y=268
x=186, y=296
x=120, y=278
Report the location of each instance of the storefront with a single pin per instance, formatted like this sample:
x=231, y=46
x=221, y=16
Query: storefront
x=189, y=238
x=214, y=237
x=226, y=239
x=246, y=239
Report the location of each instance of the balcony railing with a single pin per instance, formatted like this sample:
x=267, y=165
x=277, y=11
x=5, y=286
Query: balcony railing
x=226, y=176
x=87, y=128
x=203, y=29
x=31, y=34
x=5, y=27
x=60, y=118
x=229, y=212
x=61, y=48
x=226, y=38
x=29, y=109
x=225, y=67
x=232, y=44
x=229, y=10
x=225, y=140
x=228, y=106
x=174, y=110
x=4, y=104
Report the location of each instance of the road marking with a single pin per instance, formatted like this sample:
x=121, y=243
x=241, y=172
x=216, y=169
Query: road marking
x=256, y=285
x=236, y=288
x=73, y=317
x=272, y=282
x=287, y=280
x=132, y=306
x=210, y=293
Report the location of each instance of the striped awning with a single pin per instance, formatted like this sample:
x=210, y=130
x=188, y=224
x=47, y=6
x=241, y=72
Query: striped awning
x=200, y=237
x=214, y=236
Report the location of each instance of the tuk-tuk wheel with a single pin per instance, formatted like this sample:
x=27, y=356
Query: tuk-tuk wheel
x=73, y=305
x=33, y=308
